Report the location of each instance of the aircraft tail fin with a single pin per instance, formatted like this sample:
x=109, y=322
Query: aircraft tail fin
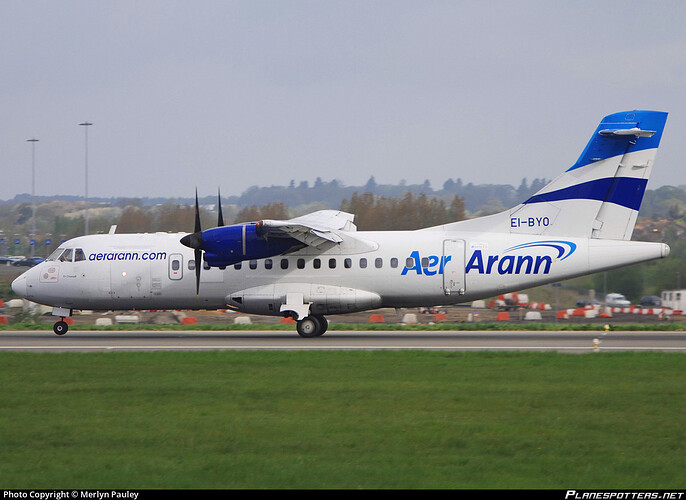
x=600, y=195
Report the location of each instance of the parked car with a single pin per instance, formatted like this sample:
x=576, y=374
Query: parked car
x=10, y=259
x=651, y=301
x=587, y=302
x=616, y=300
x=29, y=262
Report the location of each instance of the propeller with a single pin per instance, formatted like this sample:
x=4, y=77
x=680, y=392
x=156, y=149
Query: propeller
x=194, y=240
x=220, y=216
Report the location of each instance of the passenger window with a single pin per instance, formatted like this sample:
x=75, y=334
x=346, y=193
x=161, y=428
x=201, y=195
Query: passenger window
x=253, y=264
x=378, y=262
x=425, y=262
x=363, y=263
x=205, y=265
x=301, y=263
x=284, y=263
x=316, y=263
x=238, y=266
x=409, y=262
x=191, y=265
x=268, y=263
x=176, y=265
x=348, y=263
x=394, y=262
x=332, y=263
x=79, y=255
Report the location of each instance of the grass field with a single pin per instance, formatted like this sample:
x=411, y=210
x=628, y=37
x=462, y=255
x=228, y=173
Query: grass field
x=342, y=420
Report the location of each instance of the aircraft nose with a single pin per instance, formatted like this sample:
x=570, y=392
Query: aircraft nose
x=19, y=286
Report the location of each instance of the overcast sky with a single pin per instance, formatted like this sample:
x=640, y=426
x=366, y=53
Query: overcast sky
x=230, y=94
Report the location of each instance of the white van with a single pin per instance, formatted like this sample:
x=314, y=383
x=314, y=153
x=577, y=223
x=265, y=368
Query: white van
x=616, y=300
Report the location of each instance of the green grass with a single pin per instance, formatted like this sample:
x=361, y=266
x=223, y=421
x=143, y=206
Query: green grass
x=342, y=420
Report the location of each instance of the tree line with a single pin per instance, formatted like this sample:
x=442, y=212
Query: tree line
x=407, y=212
x=371, y=212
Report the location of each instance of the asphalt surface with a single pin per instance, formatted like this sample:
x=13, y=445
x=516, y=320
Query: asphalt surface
x=569, y=342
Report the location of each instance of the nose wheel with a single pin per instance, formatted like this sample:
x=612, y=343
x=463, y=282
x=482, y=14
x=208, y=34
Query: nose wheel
x=61, y=327
x=312, y=326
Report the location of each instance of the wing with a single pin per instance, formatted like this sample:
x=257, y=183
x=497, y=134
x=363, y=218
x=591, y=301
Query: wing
x=315, y=229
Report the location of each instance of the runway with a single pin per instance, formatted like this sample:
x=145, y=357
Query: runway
x=570, y=342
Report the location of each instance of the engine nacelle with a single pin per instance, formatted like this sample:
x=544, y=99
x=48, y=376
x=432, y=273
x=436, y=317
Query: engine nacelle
x=228, y=245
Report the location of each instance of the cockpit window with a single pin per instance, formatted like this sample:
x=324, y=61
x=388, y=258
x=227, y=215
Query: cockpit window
x=56, y=254
x=67, y=256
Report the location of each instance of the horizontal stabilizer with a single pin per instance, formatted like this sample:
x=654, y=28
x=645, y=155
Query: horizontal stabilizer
x=617, y=135
x=630, y=131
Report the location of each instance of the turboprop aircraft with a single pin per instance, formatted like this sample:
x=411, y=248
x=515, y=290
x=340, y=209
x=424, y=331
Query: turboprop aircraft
x=319, y=264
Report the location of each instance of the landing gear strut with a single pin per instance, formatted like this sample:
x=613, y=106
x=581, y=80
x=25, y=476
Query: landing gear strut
x=61, y=327
x=312, y=326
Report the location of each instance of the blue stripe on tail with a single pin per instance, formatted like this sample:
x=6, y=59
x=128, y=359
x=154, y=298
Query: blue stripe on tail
x=625, y=191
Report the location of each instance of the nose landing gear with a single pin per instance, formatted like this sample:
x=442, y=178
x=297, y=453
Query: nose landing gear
x=61, y=327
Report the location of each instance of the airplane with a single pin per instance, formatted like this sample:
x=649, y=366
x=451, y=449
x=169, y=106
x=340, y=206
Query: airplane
x=319, y=264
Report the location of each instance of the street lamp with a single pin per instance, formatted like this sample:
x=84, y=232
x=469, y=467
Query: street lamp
x=85, y=126
x=33, y=194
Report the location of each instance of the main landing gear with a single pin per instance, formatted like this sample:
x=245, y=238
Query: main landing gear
x=61, y=327
x=312, y=326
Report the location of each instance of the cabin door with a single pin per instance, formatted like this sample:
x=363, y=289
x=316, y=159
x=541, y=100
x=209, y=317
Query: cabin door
x=453, y=267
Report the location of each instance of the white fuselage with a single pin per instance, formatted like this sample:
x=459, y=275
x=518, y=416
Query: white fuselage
x=368, y=270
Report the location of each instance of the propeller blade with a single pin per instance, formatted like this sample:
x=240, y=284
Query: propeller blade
x=220, y=216
x=198, y=265
x=197, y=213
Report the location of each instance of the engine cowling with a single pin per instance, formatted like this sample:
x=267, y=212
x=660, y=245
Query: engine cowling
x=228, y=245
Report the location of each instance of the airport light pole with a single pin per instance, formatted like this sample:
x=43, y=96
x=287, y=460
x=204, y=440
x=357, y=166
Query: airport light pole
x=33, y=194
x=85, y=126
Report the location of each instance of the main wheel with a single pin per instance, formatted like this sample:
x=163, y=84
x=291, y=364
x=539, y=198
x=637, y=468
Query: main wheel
x=60, y=328
x=324, y=325
x=310, y=327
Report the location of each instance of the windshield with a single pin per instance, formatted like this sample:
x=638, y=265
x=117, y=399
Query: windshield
x=55, y=255
x=68, y=255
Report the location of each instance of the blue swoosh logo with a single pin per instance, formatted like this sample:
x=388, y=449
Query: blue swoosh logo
x=564, y=248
